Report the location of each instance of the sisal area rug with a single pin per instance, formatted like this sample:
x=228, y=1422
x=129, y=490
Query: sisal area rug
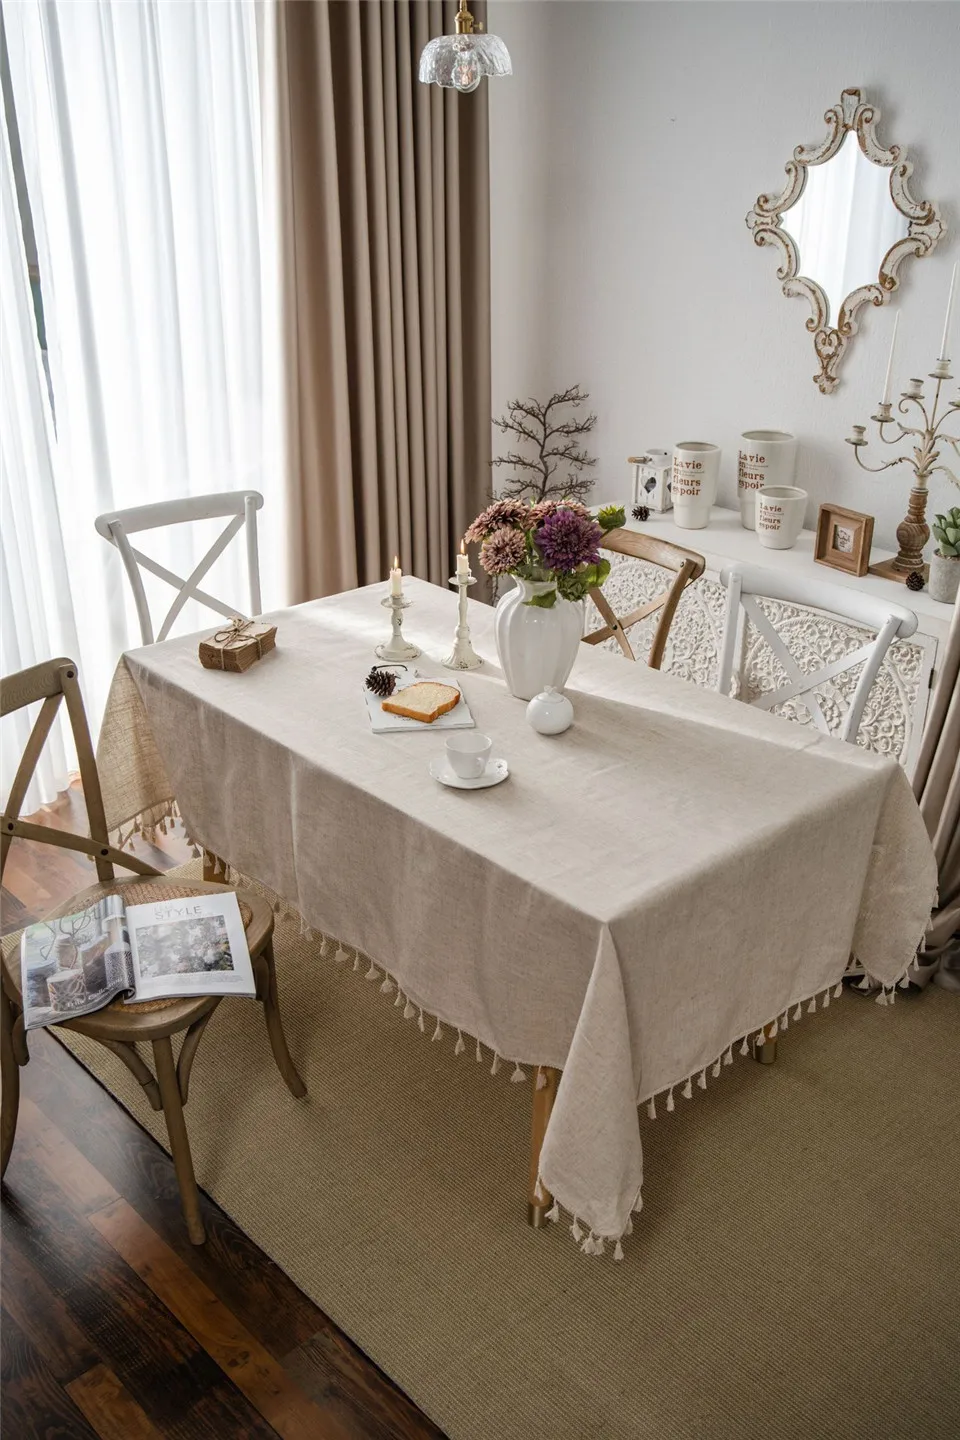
x=795, y=1271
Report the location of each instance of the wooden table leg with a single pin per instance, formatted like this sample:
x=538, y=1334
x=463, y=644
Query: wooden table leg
x=765, y=1046
x=544, y=1093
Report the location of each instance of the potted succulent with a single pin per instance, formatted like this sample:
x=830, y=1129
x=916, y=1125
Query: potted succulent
x=552, y=550
x=944, y=578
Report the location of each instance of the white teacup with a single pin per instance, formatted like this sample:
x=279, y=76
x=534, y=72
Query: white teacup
x=767, y=457
x=696, y=469
x=468, y=754
x=780, y=512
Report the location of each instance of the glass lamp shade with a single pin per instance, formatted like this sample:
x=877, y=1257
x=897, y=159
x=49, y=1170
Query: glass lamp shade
x=461, y=61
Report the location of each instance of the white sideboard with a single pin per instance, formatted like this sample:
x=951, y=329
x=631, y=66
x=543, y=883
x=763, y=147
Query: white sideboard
x=893, y=720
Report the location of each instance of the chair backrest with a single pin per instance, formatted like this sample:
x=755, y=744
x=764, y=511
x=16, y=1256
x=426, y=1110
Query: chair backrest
x=240, y=505
x=686, y=566
x=745, y=583
x=52, y=682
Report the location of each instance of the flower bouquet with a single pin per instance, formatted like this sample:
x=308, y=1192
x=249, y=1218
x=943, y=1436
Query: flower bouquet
x=553, y=544
x=552, y=549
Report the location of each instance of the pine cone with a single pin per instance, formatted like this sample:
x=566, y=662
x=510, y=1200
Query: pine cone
x=381, y=681
x=915, y=580
x=640, y=512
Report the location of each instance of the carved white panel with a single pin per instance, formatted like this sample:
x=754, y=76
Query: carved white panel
x=897, y=702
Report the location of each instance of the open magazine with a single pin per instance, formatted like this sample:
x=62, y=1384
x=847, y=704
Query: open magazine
x=164, y=950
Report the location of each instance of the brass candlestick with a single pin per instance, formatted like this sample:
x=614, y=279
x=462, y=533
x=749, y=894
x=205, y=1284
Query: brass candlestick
x=913, y=532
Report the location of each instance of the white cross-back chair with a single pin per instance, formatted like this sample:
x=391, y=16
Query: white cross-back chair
x=240, y=505
x=745, y=583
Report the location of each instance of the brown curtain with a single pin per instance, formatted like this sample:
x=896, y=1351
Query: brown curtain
x=386, y=254
x=937, y=787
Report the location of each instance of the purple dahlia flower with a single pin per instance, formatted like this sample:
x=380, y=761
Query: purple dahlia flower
x=567, y=540
x=502, y=551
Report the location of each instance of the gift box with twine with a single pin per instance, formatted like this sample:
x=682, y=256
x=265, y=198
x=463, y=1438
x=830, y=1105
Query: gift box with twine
x=238, y=645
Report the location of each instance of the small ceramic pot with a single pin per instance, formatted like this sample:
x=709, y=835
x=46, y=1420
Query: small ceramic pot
x=550, y=713
x=944, y=579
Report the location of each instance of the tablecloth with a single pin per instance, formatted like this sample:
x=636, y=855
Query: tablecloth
x=642, y=893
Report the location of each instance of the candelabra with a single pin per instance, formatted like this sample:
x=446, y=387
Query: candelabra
x=913, y=532
x=463, y=656
x=396, y=648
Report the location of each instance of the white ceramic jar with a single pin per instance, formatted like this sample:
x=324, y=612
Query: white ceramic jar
x=550, y=712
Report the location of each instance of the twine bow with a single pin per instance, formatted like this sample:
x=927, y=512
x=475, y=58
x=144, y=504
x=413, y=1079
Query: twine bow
x=234, y=632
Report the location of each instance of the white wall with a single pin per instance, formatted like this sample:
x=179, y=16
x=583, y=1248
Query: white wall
x=626, y=151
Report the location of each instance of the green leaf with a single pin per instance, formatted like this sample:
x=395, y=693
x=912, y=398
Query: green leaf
x=543, y=602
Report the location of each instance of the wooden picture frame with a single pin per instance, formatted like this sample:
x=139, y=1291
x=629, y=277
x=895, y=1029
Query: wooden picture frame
x=843, y=539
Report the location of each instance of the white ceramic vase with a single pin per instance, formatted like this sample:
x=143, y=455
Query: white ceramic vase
x=944, y=579
x=536, y=646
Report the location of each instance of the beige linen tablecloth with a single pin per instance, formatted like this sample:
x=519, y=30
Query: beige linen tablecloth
x=674, y=872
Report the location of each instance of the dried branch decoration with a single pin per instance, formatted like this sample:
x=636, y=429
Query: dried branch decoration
x=554, y=446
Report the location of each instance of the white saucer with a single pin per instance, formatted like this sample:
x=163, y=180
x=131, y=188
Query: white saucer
x=442, y=770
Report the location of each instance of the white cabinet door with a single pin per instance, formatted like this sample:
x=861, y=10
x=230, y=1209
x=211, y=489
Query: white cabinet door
x=894, y=715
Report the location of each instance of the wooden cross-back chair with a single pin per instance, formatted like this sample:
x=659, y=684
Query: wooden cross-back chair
x=119, y=1027
x=746, y=584
x=686, y=566
x=240, y=505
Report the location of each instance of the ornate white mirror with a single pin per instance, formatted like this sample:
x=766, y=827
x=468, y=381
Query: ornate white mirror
x=851, y=225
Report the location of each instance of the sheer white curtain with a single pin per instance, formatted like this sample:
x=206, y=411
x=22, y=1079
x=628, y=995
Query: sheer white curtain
x=36, y=609
x=141, y=133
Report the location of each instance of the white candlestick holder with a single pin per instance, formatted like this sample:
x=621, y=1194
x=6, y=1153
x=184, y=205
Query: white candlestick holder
x=396, y=648
x=463, y=656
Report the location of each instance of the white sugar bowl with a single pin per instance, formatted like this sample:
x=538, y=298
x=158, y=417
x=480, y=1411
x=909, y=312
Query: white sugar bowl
x=550, y=712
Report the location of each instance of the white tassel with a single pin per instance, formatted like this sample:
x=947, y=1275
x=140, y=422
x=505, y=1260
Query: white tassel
x=328, y=947
x=825, y=1002
x=784, y=1021
x=519, y=1074
x=356, y=959
x=373, y=973
x=554, y=1212
x=628, y=1229
x=575, y=1231
x=882, y=998
x=539, y=1192
x=670, y=1105
x=479, y=1054
x=438, y=1033
x=865, y=984
x=588, y=1247
x=774, y=1029
x=400, y=998
x=716, y=1069
x=838, y=991
x=728, y=1057
x=387, y=987
x=409, y=1010
x=496, y=1063
x=598, y=1246
x=687, y=1091
x=541, y=1079
x=702, y=1080
x=618, y=1251
x=420, y=1025
x=797, y=1014
x=459, y=1048
x=652, y=1108
x=812, y=1007
x=745, y=1047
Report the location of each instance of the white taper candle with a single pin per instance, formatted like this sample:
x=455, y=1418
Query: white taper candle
x=893, y=347
x=949, y=315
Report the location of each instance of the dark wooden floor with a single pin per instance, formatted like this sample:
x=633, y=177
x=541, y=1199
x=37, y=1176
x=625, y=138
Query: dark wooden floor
x=113, y=1324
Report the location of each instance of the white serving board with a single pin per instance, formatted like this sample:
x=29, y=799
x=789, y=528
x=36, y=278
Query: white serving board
x=382, y=722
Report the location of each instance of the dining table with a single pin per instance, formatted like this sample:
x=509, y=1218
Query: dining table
x=643, y=896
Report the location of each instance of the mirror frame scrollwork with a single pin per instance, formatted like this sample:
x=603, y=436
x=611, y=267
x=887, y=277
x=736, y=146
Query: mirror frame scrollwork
x=765, y=221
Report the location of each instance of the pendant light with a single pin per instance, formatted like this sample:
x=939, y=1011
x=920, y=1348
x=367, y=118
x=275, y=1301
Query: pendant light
x=462, y=60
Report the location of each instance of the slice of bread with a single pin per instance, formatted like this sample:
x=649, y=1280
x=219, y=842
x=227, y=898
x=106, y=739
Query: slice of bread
x=426, y=700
